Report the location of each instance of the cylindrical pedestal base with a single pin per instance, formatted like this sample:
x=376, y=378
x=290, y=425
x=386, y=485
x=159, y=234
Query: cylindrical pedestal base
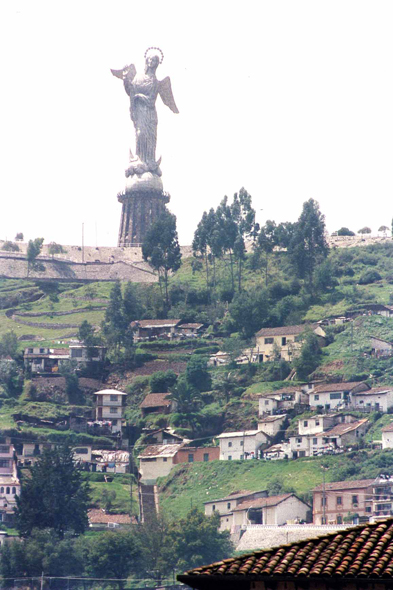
x=139, y=211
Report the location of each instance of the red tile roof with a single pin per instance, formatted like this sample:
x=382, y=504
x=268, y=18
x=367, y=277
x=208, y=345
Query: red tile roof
x=155, y=400
x=263, y=502
x=97, y=516
x=345, y=485
x=286, y=330
x=343, y=428
x=364, y=552
x=388, y=427
x=328, y=387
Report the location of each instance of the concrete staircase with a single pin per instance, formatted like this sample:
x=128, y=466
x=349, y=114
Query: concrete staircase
x=148, y=501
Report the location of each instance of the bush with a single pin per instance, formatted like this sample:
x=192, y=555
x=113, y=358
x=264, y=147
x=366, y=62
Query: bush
x=368, y=277
x=10, y=247
x=207, y=350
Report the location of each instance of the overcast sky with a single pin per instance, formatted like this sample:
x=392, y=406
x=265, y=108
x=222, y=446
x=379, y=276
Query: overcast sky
x=291, y=99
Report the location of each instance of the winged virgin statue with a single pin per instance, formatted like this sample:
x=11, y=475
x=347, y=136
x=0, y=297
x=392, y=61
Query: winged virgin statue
x=143, y=89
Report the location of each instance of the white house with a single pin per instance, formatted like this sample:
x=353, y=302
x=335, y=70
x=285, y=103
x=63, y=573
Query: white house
x=82, y=354
x=331, y=440
x=387, y=436
x=225, y=506
x=379, y=399
x=281, y=400
x=110, y=406
x=272, y=425
x=157, y=461
x=273, y=510
x=241, y=445
x=334, y=395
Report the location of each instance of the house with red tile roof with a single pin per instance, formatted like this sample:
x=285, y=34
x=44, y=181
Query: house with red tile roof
x=330, y=441
x=359, y=557
x=334, y=501
x=376, y=399
x=333, y=395
x=145, y=329
x=273, y=510
x=157, y=403
x=99, y=519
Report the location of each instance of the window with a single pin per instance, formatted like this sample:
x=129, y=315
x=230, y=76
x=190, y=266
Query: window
x=228, y=505
x=269, y=340
x=241, y=457
x=113, y=410
x=266, y=402
x=314, y=441
x=114, y=398
x=1, y=490
x=339, y=500
x=323, y=520
x=298, y=440
x=81, y=451
x=76, y=353
x=7, y=491
x=305, y=423
x=206, y=457
x=316, y=398
x=213, y=508
x=229, y=457
x=191, y=458
x=241, y=443
x=229, y=444
x=165, y=459
x=283, y=341
x=323, y=502
x=339, y=519
x=316, y=422
x=4, y=463
x=14, y=490
x=354, y=500
x=30, y=351
x=368, y=508
x=42, y=350
x=4, y=449
x=114, y=422
x=335, y=395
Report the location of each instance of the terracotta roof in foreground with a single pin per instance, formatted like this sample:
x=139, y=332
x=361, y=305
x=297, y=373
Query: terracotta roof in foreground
x=364, y=552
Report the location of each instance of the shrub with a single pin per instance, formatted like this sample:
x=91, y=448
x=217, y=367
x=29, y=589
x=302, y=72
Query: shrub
x=10, y=247
x=207, y=350
x=370, y=276
x=344, y=231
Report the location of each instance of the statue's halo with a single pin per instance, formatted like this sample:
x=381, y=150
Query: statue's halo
x=154, y=49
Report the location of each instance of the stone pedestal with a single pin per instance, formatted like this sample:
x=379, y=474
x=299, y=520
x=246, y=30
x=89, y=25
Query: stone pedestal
x=143, y=202
x=139, y=211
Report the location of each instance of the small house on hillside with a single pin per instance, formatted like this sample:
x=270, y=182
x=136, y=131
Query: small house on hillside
x=378, y=399
x=245, y=444
x=100, y=520
x=152, y=329
x=193, y=329
x=333, y=395
x=329, y=441
x=282, y=400
x=158, y=460
x=45, y=360
x=381, y=347
x=83, y=355
x=166, y=436
x=387, y=436
x=273, y=510
x=272, y=425
x=225, y=505
x=284, y=342
x=157, y=403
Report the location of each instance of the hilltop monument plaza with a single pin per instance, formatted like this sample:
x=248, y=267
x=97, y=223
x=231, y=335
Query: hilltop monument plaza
x=143, y=199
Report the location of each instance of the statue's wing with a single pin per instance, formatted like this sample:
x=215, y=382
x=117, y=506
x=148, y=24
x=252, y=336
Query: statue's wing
x=127, y=72
x=165, y=91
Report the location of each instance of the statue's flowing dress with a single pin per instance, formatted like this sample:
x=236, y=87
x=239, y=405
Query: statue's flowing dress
x=143, y=96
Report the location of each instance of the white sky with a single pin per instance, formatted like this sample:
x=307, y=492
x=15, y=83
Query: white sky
x=291, y=99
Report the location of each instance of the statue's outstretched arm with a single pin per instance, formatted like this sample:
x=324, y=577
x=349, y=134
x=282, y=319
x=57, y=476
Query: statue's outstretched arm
x=127, y=74
x=165, y=91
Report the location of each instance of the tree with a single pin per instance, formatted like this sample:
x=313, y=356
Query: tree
x=155, y=540
x=364, y=230
x=107, y=498
x=161, y=249
x=344, y=231
x=384, y=229
x=162, y=381
x=309, y=357
x=188, y=401
x=34, y=248
x=197, y=374
x=10, y=247
x=68, y=370
x=249, y=311
x=115, y=325
x=308, y=246
x=54, y=248
x=197, y=540
x=265, y=243
x=54, y=496
x=86, y=334
x=112, y=554
x=9, y=345
x=19, y=237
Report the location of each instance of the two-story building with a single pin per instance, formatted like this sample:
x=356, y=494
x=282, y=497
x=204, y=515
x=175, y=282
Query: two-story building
x=158, y=460
x=282, y=400
x=9, y=481
x=284, y=342
x=376, y=399
x=387, y=436
x=335, y=395
x=110, y=405
x=272, y=425
x=335, y=501
x=245, y=444
x=41, y=359
x=224, y=506
x=273, y=510
x=84, y=355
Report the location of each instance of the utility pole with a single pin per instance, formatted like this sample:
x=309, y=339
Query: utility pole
x=324, y=494
x=83, y=242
